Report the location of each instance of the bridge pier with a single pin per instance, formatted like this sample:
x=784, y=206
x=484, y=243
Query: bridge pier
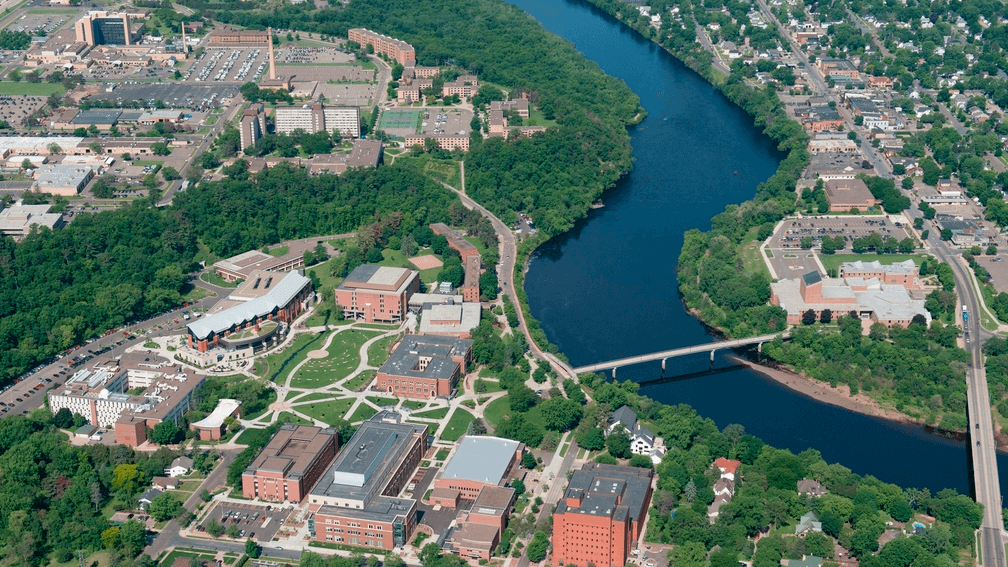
x=614, y=373
x=663, y=367
x=712, y=358
x=759, y=352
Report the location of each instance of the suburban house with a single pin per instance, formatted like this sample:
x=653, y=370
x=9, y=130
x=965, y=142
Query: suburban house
x=811, y=487
x=727, y=467
x=165, y=483
x=147, y=497
x=808, y=523
x=643, y=441
x=624, y=417
x=179, y=467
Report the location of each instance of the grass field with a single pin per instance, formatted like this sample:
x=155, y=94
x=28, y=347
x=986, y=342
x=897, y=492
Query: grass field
x=213, y=278
x=362, y=412
x=396, y=259
x=438, y=413
x=344, y=357
x=363, y=378
x=315, y=396
x=326, y=411
x=457, y=425
x=277, y=365
x=381, y=402
x=26, y=88
x=377, y=353
x=487, y=386
x=832, y=262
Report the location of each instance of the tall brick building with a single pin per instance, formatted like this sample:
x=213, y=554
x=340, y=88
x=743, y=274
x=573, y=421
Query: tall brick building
x=290, y=464
x=377, y=293
x=394, y=48
x=471, y=260
x=601, y=515
x=423, y=367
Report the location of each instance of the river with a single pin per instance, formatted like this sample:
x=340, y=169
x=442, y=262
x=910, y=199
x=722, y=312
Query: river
x=607, y=289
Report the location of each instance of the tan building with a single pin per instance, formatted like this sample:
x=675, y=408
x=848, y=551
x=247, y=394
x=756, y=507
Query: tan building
x=252, y=125
x=317, y=117
x=465, y=87
x=291, y=464
x=106, y=28
x=846, y=194
x=445, y=141
x=377, y=293
x=226, y=35
x=389, y=46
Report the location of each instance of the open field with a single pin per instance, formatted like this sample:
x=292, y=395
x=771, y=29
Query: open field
x=326, y=411
x=457, y=425
x=344, y=357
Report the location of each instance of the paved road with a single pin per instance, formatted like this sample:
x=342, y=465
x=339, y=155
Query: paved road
x=818, y=84
x=173, y=188
x=705, y=42
x=984, y=450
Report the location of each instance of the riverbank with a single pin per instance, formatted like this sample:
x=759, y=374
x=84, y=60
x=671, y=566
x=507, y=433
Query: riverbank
x=840, y=397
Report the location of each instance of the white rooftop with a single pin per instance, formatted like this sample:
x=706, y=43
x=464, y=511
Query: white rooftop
x=37, y=144
x=481, y=458
x=281, y=294
x=450, y=319
x=225, y=407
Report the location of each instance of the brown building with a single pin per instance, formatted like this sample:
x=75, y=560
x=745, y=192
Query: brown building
x=477, y=532
x=377, y=293
x=290, y=465
x=445, y=141
x=356, y=502
x=846, y=194
x=470, y=260
x=424, y=367
x=394, y=48
x=226, y=35
x=601, y=515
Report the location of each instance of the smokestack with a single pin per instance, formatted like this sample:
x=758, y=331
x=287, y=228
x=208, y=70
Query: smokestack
x=269, y=39
x=184, y=48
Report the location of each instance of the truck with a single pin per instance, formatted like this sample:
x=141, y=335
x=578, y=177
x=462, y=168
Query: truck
x=965, y=314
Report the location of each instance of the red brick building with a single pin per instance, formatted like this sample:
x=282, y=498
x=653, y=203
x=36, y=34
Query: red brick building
x=290, y=464
x=394, y=48
x=377, y=293
x=479, y=462
x=471, y=260
x=477, y=532
x=601, y=515
x=424, y=367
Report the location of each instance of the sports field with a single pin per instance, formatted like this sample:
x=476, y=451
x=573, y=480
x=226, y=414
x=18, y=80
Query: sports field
x=400, y=122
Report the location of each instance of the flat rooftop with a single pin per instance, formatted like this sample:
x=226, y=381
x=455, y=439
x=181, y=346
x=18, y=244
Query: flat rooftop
x=382, y=278
x=608, y=490
x=481, y=459
x=438, y=352
x=292, y=450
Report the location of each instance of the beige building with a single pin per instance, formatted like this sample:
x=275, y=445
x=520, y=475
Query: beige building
x=847, y=194
x=394, y=48
x=343, y=120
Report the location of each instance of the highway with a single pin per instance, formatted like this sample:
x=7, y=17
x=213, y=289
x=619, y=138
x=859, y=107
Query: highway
x=981, y=427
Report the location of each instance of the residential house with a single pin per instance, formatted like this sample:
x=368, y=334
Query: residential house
x=623, y=417
x=728, y=467
x=165, y=483
x=147, y=497
x=811, y=487
x=808, y=523
x=179, y=467
x=644, y=442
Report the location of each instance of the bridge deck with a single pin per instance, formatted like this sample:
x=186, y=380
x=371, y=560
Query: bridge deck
x=696, y=349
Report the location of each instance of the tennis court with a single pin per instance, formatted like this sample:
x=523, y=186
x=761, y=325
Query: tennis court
x=399, y=122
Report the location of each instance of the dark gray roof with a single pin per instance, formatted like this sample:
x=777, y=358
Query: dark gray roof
x=362, y=273
x=625, y=416
x=609, y=490
x=811, y=278
x=88, y=117
x=380, y=509
x=405, y=360
x=646, y=434
x=150, y=495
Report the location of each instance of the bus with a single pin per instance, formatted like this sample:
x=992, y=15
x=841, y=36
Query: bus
x=965, y=314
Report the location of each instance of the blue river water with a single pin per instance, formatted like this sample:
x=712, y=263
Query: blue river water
x=607, y=289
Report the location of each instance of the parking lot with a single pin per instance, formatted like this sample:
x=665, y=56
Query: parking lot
x=15, y=108
x=255, y=521
x=229, y=65
x=299, y=54
x=173, y=95
x=790, y=260
x=38, y=24
x=998, y=268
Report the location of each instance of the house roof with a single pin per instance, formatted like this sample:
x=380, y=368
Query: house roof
x=185, y=462
x=645, y=434
x=727, y=466
x=149, y=495
x=625, y=416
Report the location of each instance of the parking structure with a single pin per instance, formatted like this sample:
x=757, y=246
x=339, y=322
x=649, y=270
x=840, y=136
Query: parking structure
x=254, y=520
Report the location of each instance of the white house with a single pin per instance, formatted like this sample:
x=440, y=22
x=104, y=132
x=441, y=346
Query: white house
x=145, y=499
x=644, y=442
x=179, y=467
x=623, y=417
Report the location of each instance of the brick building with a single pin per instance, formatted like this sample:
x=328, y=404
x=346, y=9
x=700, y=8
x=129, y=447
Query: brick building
x=377, y=293
x=846, y=194
x=479, y=462
x=394, y=48
x=601, y=515
x=477, y=531
x=356, y=502
x=471, y=260
x=424, y=367
x=291, y=464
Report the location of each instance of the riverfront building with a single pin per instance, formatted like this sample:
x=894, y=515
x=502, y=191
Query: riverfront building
x=601, y=515
x=377, y=293
x=356, y=501
x=871, y=299
x=424, y=367
x=291, y=464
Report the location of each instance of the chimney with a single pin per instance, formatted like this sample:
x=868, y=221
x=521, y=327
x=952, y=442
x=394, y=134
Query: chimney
x=269, y=39
x=184, y=48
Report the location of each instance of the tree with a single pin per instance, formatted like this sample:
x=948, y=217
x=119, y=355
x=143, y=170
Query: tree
x=688, y=554
x=165, y=507
x=160, y=149
x=214, y=528
x=232, y=531
x=132, y=538
x=641, y=461
x=528, y=460
x=252, y=549
x=169, y=173
x=125, y=478
x=164, y=433
x=808, y=317
x=592, y=439
x=619, y=445
x=518, y=486
x=488, y=284
x=826, y=316
x=430, y=554
x=560, y=414
x=26, y=164
x=63, y=419
x=536, y=550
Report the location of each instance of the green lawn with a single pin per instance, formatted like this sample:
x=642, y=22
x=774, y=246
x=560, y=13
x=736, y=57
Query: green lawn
x=378, y=352
x=381, y=402
x=213, y=278
x=438, y=413
x=314, y=396
x=328, y=412
x=344, y=357
x=363, y=378
x=498, y=409
x=832, y=262
x=413, y=404
x=26, y=88
x=362, y=413
x=279, y=364
x=441, y=455
x=396, y=259
x=487, y=386
x=457, y=425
